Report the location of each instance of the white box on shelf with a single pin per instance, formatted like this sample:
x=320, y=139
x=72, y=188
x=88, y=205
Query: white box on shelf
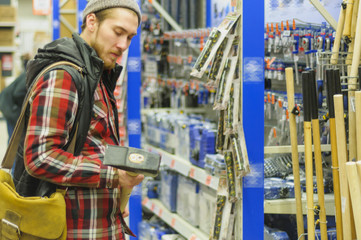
x=187, y=200
x=172, y=237
x=207, y=207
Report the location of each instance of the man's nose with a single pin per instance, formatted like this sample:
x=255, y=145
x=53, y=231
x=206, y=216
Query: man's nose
x=122, y=43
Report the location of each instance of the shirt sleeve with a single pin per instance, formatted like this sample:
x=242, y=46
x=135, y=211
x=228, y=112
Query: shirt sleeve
x=53, y=107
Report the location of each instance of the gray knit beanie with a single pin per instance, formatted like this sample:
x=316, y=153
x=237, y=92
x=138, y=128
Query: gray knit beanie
x=98, y=5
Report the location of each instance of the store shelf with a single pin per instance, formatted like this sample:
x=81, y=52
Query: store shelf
x=288, y=149
x=175, y=221
x=288, y=205
x=174, y=110
x=184, y=167
x=8, y=49
x=7, y=24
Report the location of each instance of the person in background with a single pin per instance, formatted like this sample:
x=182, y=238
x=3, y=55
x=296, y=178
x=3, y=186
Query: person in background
x=93, y=189
x=12, y=97
x=11, y=100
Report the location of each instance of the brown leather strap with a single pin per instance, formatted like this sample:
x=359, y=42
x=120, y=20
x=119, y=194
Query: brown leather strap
x=11, y=151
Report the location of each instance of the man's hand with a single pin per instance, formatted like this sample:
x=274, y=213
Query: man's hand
x=127, y=181
x=125, y=213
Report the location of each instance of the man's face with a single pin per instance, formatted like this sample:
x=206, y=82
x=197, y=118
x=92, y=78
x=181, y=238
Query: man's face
x=113, y=36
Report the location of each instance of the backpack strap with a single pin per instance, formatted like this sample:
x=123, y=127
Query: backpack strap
x=11, y=151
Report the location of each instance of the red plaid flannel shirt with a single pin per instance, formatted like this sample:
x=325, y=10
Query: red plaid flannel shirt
x=92, y=200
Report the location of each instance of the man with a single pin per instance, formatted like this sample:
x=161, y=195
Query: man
x=92, y=196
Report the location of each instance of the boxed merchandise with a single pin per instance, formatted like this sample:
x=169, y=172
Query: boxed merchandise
x=172, y=237
x=152, y=230
x=274, y=234
x=181, y=131
x=153, y=188
x=162, y=129
x=7, y=36
x=168, y=189
x=166, y=128
x=207, y=144
x=187, y=200
x=7, y=13
x=202, y=140
x=207, y=207
x=276, y=188
x=215, y=164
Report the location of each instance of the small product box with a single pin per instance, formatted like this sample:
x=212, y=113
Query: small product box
x=207, y=207
x=168, y=189
x=187, y=200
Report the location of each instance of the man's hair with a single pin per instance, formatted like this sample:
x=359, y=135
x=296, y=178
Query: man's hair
x=100, y=15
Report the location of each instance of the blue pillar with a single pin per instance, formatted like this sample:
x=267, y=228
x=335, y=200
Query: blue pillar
x=56, y=21
x=209, y=13
x=81, y=7
x=253, y=116
x=134, y=123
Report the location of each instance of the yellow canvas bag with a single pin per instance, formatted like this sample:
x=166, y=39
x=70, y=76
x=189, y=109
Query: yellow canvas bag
x=28, y=218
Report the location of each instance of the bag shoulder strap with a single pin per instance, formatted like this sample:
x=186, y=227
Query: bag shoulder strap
x=11, y=151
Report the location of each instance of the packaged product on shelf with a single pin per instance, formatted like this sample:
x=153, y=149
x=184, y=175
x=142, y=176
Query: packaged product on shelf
x=166, y=126
x=278, y=166
x=153, y=188
x=220, y=132
x=202, y=139
x=153, y=229
x=237, y=155
x=231, y=179
x=216, y=65
x=223, y=221
x=229, y=115
x=215, y=39
x=243, y=149
x=168, y=190
x=181, y=131
x=172, y=237
x=207, y=207
x=274, y=234
x=231, y=76
x=215, y=165
x=188, y=200
x=277, y=188
x=160, y=130
x=222, y=85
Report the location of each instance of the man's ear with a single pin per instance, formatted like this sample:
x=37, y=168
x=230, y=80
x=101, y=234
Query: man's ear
x=91, y=22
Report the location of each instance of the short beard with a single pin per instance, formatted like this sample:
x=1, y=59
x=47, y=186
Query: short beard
x=97, y=48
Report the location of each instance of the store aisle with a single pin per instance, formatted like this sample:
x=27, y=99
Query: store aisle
x=3, y=138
